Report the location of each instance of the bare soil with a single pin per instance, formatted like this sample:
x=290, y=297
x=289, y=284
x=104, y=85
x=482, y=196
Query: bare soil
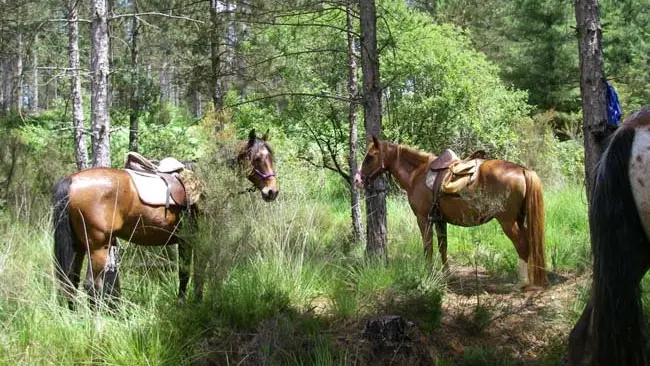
x=486, y=320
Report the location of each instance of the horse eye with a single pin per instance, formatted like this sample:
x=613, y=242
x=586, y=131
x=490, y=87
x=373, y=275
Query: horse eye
x=367, y=159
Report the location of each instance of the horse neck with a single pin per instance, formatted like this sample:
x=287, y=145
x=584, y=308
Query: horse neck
x=402, y=162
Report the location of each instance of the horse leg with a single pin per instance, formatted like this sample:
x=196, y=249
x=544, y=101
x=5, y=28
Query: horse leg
x=184, y=265
x=512, y=231
x=70, y=288
x=427, y=236
x=580, y=339
x=98, y=259
x=112, y=276
x=441, y=234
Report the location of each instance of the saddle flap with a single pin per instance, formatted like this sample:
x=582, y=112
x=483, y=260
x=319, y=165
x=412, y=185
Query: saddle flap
x=462, y=175
x=446, y=158
x=154, y=189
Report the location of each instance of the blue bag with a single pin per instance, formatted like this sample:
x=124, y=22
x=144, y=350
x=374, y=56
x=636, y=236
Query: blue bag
x=613, y=106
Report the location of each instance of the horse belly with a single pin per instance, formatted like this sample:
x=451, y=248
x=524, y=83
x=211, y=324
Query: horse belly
x=464, y=212
x=152, y=226
x=639, y=172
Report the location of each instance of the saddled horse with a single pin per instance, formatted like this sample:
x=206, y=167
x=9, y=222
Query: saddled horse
x=94, y=207
x=499, y=190
x=610, y=330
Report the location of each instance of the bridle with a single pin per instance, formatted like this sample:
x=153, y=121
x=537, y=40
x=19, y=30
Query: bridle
x=264, y=176
x=380, y=169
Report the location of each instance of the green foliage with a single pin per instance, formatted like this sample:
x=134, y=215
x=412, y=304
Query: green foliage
x=442, y=92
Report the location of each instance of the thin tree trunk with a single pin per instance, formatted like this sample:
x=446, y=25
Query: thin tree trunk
x=353, y=118
x=18, y=76
x=8, y=85
x=3, y=76
x=99, y=86
x=33, y=102
x=592, y=85
x=135, y=103
x=215, y=55
x=81, y=148
x=375, y=192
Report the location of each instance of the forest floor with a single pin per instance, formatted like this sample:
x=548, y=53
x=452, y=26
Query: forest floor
x=502, y=325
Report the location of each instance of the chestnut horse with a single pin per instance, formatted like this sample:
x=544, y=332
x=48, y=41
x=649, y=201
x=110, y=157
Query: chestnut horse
x=610, y=330
x=93, y=207
x=502, y=190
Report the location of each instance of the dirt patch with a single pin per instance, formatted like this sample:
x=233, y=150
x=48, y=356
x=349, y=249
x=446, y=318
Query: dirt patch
x=486, y=320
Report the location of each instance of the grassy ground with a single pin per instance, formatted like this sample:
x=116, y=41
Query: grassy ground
x=281, y=290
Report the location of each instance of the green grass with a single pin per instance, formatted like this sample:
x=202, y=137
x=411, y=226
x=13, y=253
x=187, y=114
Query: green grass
x=278, y=281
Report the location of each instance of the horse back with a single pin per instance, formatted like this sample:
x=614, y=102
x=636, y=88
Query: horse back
x=105, y=200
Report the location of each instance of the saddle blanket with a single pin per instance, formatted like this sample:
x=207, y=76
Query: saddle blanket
x=151, y=188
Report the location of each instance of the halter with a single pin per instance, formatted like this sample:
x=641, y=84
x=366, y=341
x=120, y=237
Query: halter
x=262, y=175
x=380, y=169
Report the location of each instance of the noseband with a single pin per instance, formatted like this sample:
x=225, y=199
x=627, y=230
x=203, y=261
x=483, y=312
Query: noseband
x=262, y=175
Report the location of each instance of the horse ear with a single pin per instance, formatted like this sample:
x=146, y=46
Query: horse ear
x=375, y=141
x=251, y=137
x=266, y=135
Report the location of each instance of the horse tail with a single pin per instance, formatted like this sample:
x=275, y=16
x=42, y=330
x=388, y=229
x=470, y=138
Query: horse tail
x=534, y=229
x=64, y=244
x=619, y=246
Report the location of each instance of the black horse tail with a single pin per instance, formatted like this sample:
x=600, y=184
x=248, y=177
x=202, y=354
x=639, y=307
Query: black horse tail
x=64, y=243
x=620, y=249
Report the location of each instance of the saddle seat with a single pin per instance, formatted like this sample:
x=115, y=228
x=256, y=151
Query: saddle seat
x=449, y=175
x=157, y=183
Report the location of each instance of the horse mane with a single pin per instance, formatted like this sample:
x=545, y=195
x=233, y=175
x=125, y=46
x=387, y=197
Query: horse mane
x=413, y=156
x=619, y=246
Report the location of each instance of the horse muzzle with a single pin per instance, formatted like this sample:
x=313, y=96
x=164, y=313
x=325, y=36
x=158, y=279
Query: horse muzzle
x=269, y=193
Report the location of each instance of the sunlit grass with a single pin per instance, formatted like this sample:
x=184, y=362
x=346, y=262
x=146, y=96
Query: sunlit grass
x=274, y=269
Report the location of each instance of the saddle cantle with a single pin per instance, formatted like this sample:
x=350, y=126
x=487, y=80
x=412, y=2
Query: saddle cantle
x=158, y=183
x=449, y=175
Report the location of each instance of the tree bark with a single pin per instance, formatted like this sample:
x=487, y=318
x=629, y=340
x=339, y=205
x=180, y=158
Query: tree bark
x=81, y=148
x=215, y=55
x=99, y=86
x=375, y=192
x=135, y=103
x=353, y=118
x=33, y=102
x=592, y=85
x=18, y=76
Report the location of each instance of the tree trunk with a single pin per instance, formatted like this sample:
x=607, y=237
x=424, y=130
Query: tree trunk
x=375, y=192
x=7, y=85
x=353, y=118
x=592, y=85
x=33, y=102
x=215, y=55
x=99, y=86
x=135, y=103
x=81, y=149
x=18, y=76
x=3, y=76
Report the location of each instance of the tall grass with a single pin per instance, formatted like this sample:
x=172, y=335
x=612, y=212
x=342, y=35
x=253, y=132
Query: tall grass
x=278, y=279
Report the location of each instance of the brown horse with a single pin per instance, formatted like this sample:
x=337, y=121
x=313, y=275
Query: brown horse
x=93, y=207
x=610, y=330
x=502, y=190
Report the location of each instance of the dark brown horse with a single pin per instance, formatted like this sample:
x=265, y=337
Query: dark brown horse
x=610, y=330
x=501, y=190
x=93, y=207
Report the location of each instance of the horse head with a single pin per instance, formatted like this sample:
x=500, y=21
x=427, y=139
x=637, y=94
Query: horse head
x=257, y=156
x=373, y=164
